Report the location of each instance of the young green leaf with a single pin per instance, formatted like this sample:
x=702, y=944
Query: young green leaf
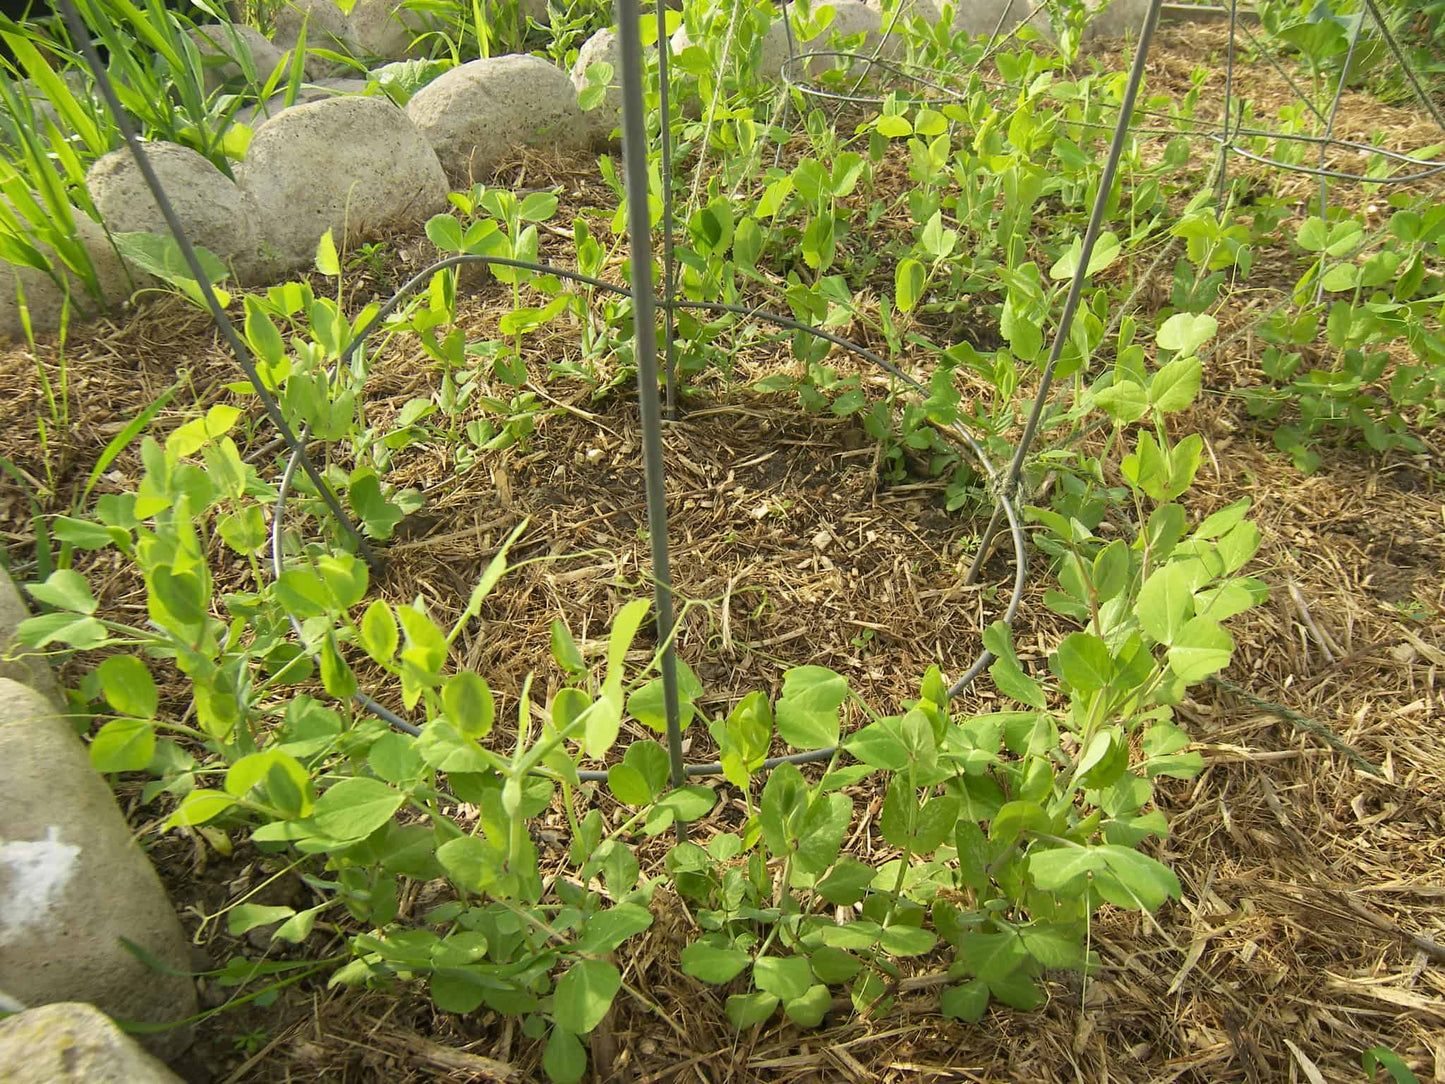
x=833, y=965
x=123, y=745
x=713, y=960
x=909, y=278
x=966, y=1002
x=808, y=1010
x=1382, y=1057
x=64, y=589
x=807, y=712
x=907, y=940
x=624, y=628
x=584, y=994
x=785, y=976
x=356, y=807
x=1084, y=662
x=564, y=650
x=128, y=686
x=1185, y=332
x=379, y=637
x=565, y=1058
x=606, y=930
x=846, y=883
x=327, y=261
x=749, y=1010
x=1201, y=648
x=198, y=807
x=468, y=704
x=1176, y=385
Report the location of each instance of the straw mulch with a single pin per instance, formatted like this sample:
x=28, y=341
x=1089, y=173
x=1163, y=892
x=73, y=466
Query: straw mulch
x=1310, y=928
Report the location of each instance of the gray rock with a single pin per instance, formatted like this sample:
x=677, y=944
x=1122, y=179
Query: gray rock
x=73, y=883
x=234, y=41
x=1118, y=19
x=26, y=668
x=477, y=114
x=850, y=17
x=354, y=166
x=602, y=121
x=44, y=297
x=73, y=1043
x=981, y=18
x=215, y=213
x=75, y=80
x=306, y=93
x=978, y=18
x=382, y=28
x=326, y=28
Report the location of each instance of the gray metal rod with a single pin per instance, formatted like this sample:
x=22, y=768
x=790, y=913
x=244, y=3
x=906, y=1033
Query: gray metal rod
x=644, y=345
x=1325, y=147
x=669, y=264
x=1224, y=144
x=1076, y=287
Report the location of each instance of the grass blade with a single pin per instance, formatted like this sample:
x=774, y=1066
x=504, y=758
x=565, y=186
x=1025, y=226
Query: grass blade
x=121, y=440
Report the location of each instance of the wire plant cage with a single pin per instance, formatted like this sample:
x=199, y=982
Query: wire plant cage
x=657, y=304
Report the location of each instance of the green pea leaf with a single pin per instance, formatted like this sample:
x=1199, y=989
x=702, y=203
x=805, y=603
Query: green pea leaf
x=649, y=706
x=394, y=758
x=123, y=745
x=379, y=637
x=1148, y=880
x=128, y=686
x=1084, y=662
x=248, y=916
x=64, y=589
x=565, y=1058
x=354, y=808
x=821, y=832
x=909, y=279
x=1382, y=1057
x=907, y=940
x=624, y=628
x=327, y=261
x=847, y=882
x=1124, y=401
x=1166, y=601
x=565, y=651
x=1202, y=648
x=808, y=1010
x=785, y=976
x=198, y=807
x=472, y=862
x=833, y=965
x=1176, y=385
x=713, y=960
x=467, y=702
x=807, y=712
x=584, y=994
x=966, y=1002
x=606, y=930
x=1062, y=869
x=1186, y=332
x=749, y=1010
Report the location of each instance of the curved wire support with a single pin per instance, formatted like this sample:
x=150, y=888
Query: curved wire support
x=795, y=76
x=1005, y=503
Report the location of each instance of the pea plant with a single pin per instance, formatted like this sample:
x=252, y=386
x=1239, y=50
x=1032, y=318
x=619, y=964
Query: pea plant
x=1004, y=833
x=1001, y=838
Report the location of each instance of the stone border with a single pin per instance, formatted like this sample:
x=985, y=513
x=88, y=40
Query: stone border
x=73, y=881
x=358, y=170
